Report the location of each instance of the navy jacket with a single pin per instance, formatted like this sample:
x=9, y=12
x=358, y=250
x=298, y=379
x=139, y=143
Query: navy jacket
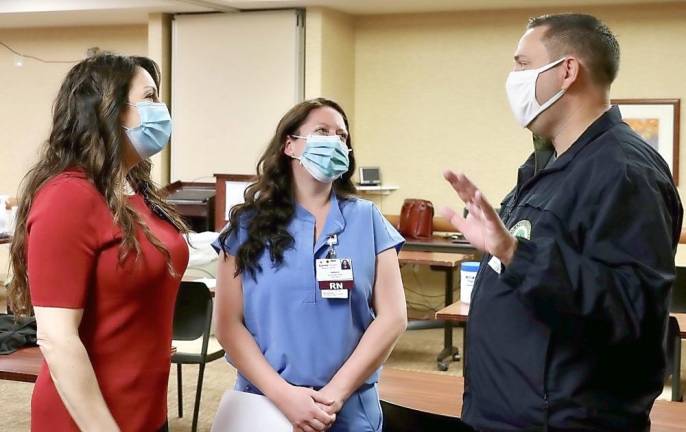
x=570, y=335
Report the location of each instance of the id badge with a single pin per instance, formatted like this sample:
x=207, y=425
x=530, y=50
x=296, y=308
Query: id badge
x=335, y=277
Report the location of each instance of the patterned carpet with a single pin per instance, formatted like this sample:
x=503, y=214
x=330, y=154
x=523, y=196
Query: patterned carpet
x=416, y=350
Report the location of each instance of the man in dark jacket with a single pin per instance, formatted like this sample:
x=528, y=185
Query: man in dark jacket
x=570, y=305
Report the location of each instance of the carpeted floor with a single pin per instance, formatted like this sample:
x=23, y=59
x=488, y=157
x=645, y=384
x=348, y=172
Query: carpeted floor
x=416, y=350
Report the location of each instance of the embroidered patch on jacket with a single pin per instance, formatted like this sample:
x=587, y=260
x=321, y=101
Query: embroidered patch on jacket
x=522, y=229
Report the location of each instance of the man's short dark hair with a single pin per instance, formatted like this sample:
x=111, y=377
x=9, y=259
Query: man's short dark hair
x=585, y=36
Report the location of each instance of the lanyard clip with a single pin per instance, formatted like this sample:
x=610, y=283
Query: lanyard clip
x=331, y=241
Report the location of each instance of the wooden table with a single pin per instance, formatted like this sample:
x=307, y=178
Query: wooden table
x=422, y=391
x=668, y=416
x=456, y=312
x=22, y=365
x=459, y=312
x=442, y=395
x=676, y=359
x=448, y=263
x=440, y=244
x=681, y=319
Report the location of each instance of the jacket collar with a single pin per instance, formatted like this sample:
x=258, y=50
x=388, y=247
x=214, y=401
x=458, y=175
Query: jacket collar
x=602, y=124
x=539, y=158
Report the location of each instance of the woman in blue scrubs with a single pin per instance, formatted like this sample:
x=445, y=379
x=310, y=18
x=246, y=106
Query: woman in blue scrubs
x=302, y=327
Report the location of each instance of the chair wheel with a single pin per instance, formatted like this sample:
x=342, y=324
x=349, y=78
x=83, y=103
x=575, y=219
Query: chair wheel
x=442, y=367
x=456, y=357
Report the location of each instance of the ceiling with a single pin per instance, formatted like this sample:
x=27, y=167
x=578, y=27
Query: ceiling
x=48, y=13
x=56, y=13
x=361, y=7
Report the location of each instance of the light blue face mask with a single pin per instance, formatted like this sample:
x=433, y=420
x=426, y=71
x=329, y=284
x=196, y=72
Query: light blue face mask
x=152, y=135
x=325, y=157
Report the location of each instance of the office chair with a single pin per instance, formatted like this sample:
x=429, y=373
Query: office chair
x=191, y=337
x=676, y=305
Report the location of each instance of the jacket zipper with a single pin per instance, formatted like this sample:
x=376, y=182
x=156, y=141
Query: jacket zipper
x=472, y=305
x=546, y=400
x=473, y=300
x=482, y=267
x=546, y=407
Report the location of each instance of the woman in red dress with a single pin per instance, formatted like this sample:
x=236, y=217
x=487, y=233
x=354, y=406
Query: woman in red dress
x=98, y=255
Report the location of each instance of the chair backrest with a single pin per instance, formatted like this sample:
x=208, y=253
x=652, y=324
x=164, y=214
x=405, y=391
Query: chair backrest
x=671, y=344
x=193, y=312
x=678, y=303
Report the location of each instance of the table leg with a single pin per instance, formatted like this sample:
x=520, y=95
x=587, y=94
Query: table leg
x=448, y=330
x=464, y=347
x=449, y=352
x=676, y=370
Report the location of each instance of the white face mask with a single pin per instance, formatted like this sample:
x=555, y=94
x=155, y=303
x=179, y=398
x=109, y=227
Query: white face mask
x=521, y=92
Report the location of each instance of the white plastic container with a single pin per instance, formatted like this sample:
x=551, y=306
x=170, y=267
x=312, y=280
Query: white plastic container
x=12, y=219
x=468, y=270
x=4, y=216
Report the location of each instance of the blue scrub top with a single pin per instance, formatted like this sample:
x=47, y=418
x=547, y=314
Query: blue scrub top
x=304, y=337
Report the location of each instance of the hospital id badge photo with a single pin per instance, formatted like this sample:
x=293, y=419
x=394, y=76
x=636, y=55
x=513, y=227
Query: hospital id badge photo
x=335, y=277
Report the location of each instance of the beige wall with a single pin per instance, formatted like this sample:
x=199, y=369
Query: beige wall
x=159, y=49
x=429, y=92
x=231, y=85
x=426, y=91
x=330, y=57
x=27, y=92
x=26, y=103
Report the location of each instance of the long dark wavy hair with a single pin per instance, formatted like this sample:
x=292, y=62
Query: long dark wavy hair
x=269, y=201
x=87, y=134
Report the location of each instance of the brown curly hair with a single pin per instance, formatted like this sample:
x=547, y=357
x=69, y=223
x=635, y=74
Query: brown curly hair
x=87, y=134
